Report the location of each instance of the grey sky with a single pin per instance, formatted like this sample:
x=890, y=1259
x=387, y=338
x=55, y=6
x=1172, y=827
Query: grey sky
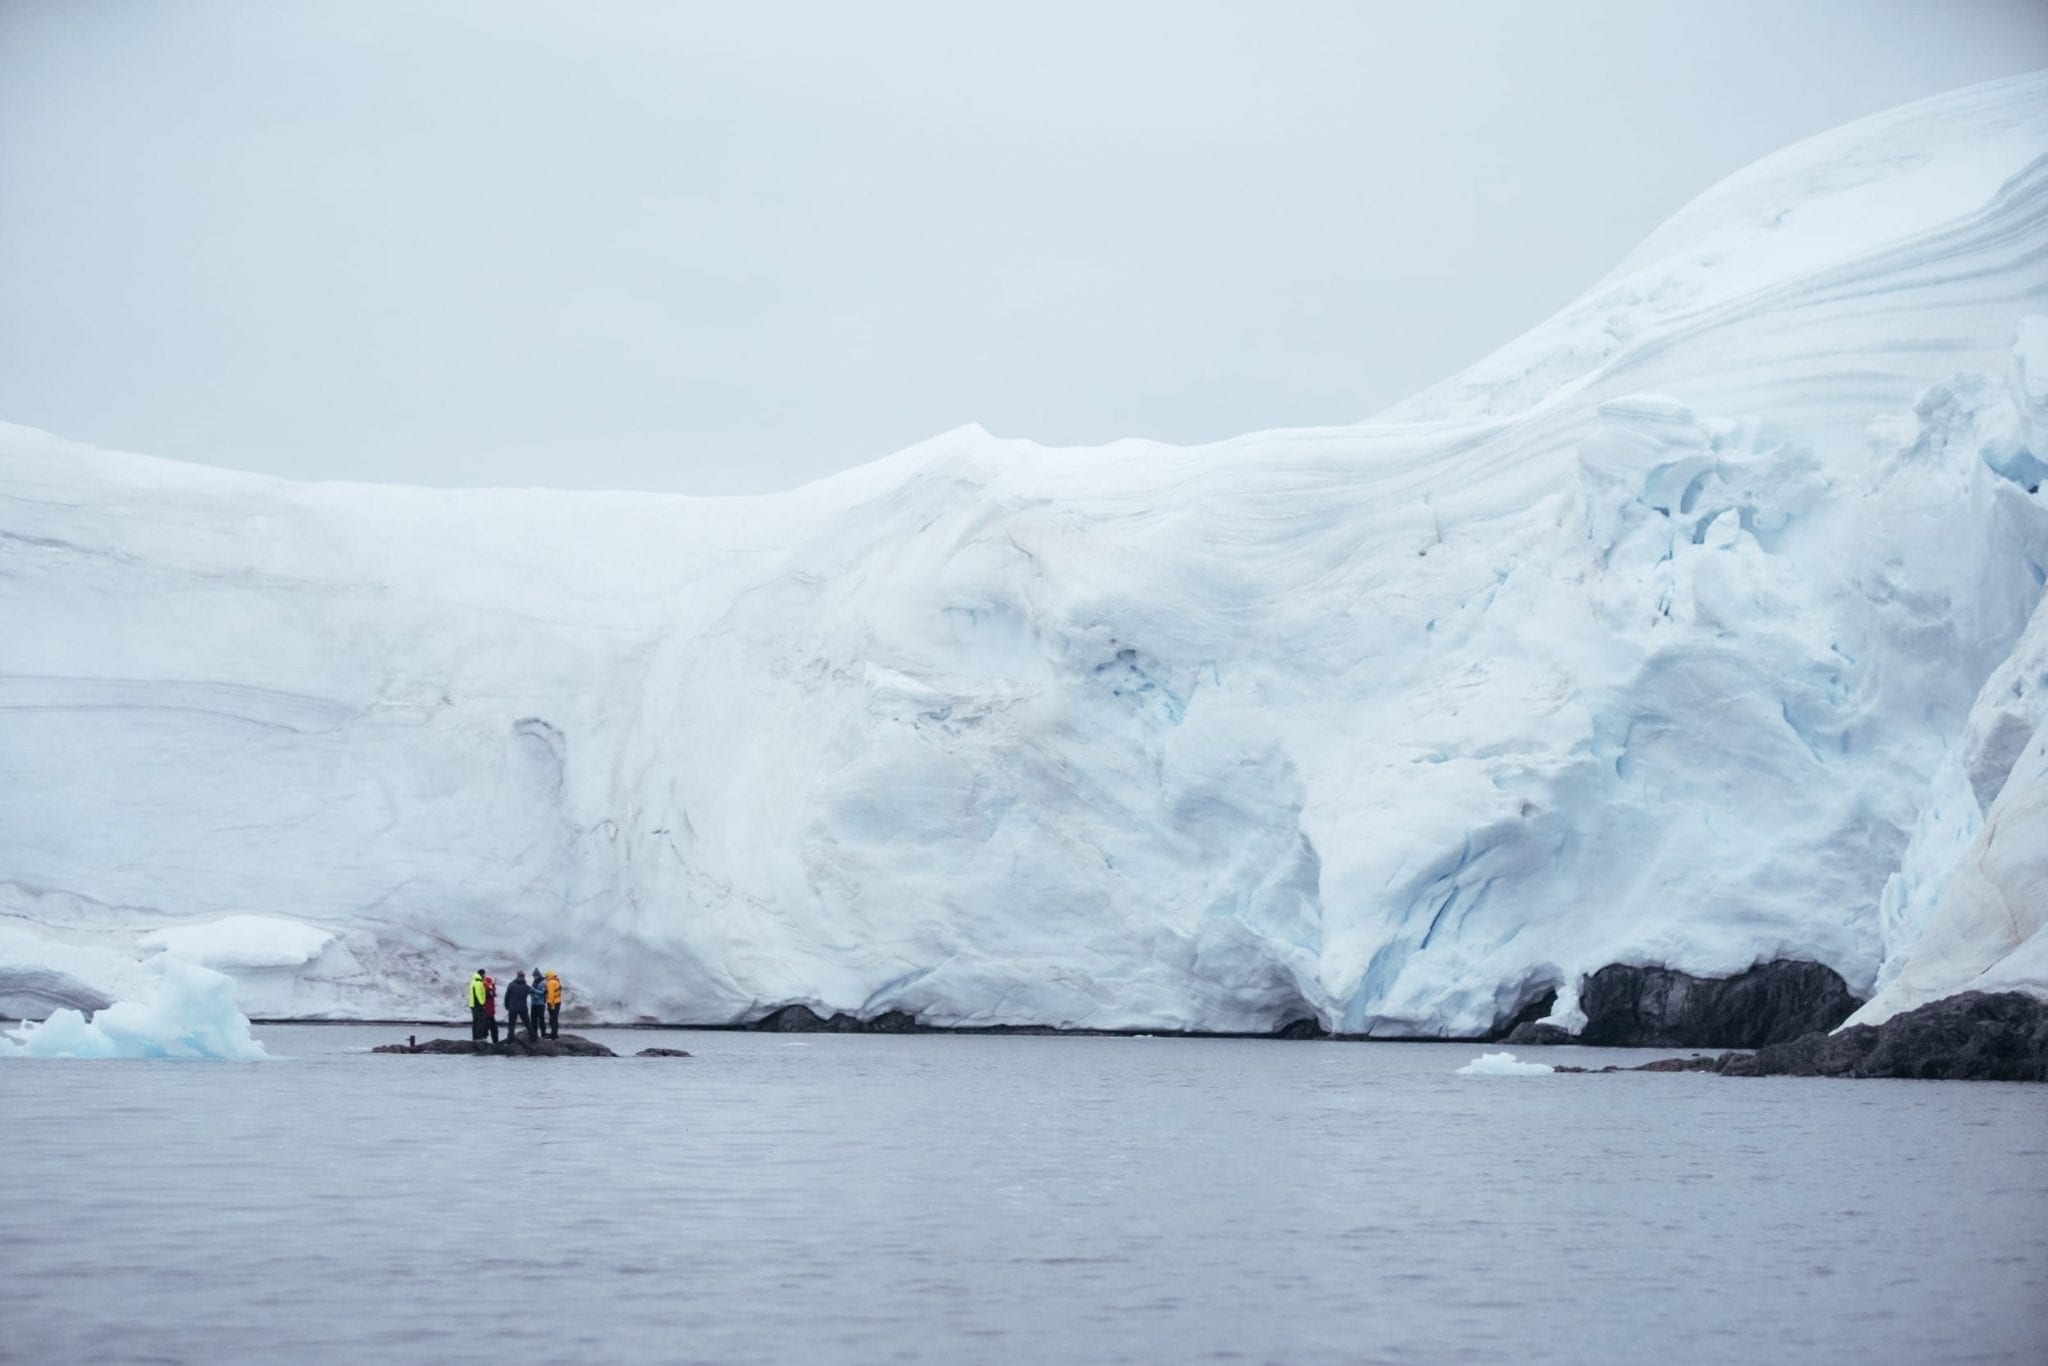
x=723, y=248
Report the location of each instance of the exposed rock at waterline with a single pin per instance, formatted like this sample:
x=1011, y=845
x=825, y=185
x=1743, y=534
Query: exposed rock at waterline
x=801, y=1019
x=1973, y=1036
x=568, y=1046
x=1655, y=1007
x=1538, y=1034
x=1525, y=1024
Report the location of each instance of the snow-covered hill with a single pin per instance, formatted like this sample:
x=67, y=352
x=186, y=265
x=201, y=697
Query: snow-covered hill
x=1671, y=633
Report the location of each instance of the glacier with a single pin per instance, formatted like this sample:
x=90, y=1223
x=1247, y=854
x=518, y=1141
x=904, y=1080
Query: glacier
x=1690, y=628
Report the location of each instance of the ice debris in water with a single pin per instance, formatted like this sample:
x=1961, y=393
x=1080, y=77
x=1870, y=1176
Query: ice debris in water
x=1502, y=1065
x=189, y=1013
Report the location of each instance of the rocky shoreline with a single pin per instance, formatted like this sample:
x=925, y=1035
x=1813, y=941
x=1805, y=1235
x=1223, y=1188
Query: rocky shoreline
x=1653, y=1007
x=567, y=1046
x=1625, y=1006
x=1972, y=1036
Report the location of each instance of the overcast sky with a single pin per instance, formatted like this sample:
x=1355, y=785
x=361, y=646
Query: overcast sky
x=725, y=248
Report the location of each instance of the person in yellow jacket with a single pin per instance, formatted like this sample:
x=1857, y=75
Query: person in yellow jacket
x=478, y=995
x=554, y=1006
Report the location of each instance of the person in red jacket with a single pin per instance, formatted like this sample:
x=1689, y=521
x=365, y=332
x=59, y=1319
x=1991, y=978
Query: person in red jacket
x=491, y=1005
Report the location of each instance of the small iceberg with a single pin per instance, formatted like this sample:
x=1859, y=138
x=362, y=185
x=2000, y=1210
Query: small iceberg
x=1502, y=1065
x=185, y=1011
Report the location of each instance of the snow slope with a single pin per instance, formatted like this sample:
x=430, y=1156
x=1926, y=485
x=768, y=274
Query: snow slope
x=1648, y=639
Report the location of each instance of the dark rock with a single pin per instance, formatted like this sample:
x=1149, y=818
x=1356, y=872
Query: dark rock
x=1812, y=1055
x=1521, y=1026
x=1973, y=1036
x=791, y=1020
x=568, y=1046
x=1534, y=1033
x=1302, y=1029
x=801, y=1019
x=1652, y=1007
x=1698, y=1062
x=661, y=1053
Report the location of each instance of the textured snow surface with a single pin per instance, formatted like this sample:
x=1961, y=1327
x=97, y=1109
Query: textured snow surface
x=242, y=942
x=183, y=1011
x=1968, y=908
x=1658, y=636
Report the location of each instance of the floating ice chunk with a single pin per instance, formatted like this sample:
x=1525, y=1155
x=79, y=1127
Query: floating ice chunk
x=241, y=942
x=190, y=1013
x=1501, y=1065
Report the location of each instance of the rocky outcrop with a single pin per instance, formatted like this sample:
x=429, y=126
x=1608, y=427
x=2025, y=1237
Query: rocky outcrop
x=801, y=1019
x=1540, y=1034
x=661, y=1053
x=568, y=1046
x=1525, y=1024
x=1653, y=1007
x=1973, y=1036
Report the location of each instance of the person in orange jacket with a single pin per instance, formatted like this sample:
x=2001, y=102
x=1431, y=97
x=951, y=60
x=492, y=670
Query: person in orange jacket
x=554, y=1006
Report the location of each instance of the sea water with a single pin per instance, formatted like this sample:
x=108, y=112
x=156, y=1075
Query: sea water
x=827, y=1198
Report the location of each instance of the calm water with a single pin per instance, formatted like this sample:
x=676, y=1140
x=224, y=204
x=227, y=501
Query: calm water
x=941, y=1199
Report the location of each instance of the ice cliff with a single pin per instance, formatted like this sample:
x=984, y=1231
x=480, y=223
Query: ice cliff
x=1689, y=629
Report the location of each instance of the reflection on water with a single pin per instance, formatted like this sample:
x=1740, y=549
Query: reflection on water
x=959, y=1199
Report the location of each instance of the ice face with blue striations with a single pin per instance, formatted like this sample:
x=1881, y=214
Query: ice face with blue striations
x=180, y=1011
x=1684, y=630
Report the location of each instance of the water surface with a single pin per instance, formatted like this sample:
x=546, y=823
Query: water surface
x=1008, y=1199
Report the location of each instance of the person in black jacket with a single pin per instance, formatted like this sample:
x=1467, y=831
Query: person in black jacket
x=516, y=1009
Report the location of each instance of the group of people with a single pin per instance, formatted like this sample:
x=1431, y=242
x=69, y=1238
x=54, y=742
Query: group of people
x=536, y=1004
